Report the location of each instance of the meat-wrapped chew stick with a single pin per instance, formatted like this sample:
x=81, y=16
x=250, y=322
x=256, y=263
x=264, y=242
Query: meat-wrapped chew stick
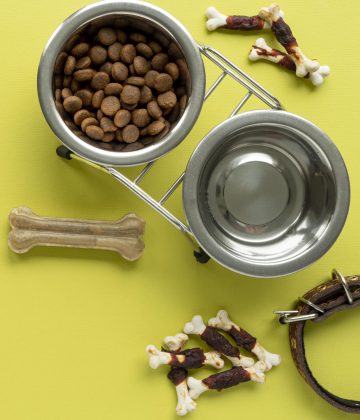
x=244, y=339
x=226, y=379
x=178, y=376
x=217, y=341
x=216, y=20
x=261, y=50
x=189, y=359
x=286, y=38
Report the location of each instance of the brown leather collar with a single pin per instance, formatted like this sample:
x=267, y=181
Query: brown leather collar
x=329, y=297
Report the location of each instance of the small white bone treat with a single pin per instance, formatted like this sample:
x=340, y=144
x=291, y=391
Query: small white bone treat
x=216, y=20
x=261, y=50
x=284, y=35
x=226, y=379
x=178, y=376
x=244, y=339
x=217, y=341
x=188, y=359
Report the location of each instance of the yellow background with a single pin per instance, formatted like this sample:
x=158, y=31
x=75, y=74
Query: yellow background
x=74, y=323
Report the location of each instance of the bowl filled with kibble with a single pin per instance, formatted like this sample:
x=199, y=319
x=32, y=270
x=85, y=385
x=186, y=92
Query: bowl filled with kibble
x=121, y=82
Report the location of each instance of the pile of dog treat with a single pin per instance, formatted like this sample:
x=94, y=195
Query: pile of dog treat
x=271, y=18
x=181, y=360
x=122, y=87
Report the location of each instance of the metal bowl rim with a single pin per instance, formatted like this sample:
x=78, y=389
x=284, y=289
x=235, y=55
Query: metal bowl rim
x=101, y=9
x=194, y=171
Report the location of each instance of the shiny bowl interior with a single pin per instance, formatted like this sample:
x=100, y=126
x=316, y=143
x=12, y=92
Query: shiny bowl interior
x=129, y=16
x=271, y=193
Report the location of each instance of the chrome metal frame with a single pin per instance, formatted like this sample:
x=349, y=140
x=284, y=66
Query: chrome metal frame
x=228, y=69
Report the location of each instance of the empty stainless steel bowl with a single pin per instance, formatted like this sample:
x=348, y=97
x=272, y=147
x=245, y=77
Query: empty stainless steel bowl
x=132, y=15
x=266, y=193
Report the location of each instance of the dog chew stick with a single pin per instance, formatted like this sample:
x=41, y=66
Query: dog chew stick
x=122, y=236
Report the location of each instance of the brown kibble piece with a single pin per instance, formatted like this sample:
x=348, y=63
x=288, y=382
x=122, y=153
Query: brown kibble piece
x=60, y=62
x=75, y=85
x=58, y=95
x=155, y=128
x=173, y=70
x=174, y=114
x=136, y=37
x=107, y=125
x=119, y=72
x=128, y=107
x=80, y=50
x=145, y=95
x=72, y=104
x=144, y=50
x=99, y=115
x=159, y=61
x=94, y=132
x=114, y=51
x=140, y=117
x=155, y=46
x=85, y=95
x=130, y=133
x=66, y=92
x=100, y=80
x=121, y=36
x=98, y=98
x=106, y=68
x=163, y=82
x=141, y=65
x=69, y=65
x=108, y=137
x=98, y=54
x=167, y=100
x=60, y=108
x=174, y=51
x=154, y=110
x=183, y=70
x=150, y=77
x=107, y=36
x=136, y=81
x=122, y=118
x=128, y=53
x=118, y=135
x=113, y=89
x=67, y=81
x=130, y=94
x=84, y=75
x=58, y=81
x=83, y=63
x=88, y=121
x=183, y=103
x=80, y=116
x=110, y=105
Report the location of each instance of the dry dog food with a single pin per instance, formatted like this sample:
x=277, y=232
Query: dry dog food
x=121, y=86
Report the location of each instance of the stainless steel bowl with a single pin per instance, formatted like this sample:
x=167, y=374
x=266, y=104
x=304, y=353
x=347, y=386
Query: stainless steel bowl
x=266, y=193
x=136, y=15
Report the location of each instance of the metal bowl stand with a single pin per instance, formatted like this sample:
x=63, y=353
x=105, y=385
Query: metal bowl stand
x=228, y=69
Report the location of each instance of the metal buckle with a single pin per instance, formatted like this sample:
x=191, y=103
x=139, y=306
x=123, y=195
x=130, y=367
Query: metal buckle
x=336, y=275
x=286, y=317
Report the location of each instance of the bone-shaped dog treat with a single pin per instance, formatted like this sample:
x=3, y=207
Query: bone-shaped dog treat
x=261, y=50
x=226, y=379
x=217, y=341
x=189, y=359
x=178, y=376
x=122, y=236
x=284, y=35
x=244, y=339
x=216, y=20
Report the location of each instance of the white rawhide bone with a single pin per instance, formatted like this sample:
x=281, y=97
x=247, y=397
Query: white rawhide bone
x=284, y=35
x=158, y=358
x=244, y=339
x=261, y=50
x=198, y=386
x=185, y=404
x=216, y=20
x=214, y=339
